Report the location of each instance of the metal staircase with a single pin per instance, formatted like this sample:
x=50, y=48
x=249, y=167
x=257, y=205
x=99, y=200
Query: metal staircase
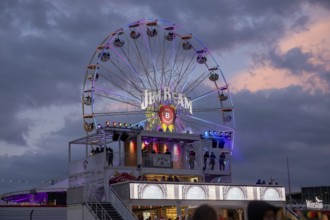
x=97, y=209
x=115, y=209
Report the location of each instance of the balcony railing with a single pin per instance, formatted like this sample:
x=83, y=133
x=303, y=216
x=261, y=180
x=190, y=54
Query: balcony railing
x=103, y=160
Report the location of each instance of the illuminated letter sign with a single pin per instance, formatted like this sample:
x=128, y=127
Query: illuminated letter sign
x=165, y=96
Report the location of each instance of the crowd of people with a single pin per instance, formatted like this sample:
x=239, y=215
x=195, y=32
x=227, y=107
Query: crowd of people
x=209, y=159
x=109, y=153
x=212, y=160
x=170, y=178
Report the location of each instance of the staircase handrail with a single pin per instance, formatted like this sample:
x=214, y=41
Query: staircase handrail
x=292, y=212
x=92, y=200
x=120, y=206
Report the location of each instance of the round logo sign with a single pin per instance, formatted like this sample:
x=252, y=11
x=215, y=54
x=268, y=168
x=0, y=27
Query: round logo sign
x=167, y=115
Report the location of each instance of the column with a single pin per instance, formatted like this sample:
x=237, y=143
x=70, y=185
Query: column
x=240, y=213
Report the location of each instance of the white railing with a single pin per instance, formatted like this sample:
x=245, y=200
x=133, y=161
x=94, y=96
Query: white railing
x=120, y=207
x=98, y=208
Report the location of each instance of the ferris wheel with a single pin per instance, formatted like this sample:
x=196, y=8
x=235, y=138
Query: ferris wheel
x=155, y=75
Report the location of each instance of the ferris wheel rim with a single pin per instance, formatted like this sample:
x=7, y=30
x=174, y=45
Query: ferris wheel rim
x=105, y=44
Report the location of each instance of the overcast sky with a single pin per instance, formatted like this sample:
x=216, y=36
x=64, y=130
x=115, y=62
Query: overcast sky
x=275, y=56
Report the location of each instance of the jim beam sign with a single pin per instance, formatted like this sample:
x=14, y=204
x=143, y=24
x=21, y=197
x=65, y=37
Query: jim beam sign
x=167, y=97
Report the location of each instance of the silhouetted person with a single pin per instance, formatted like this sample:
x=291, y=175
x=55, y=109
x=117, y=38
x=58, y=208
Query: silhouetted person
x=110, y=156
x=92, y=151
x=206, y=157
x=167, y=152
x=97, y=150
x=176, y=179
x=222, y=159
x=212, y=160
x=192, y=156
x=170, y=179
x=205, y=212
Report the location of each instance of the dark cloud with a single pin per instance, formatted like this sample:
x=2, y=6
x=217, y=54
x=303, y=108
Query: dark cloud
x=276, y=124
x=294, y=60
x=32, y=168
x=301, y=23
x=297, y=62
x=45, y=46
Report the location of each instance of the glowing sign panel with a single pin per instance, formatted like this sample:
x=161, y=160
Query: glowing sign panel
x=165, y=95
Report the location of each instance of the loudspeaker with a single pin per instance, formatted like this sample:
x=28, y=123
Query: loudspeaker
x=115, y=136
x=124, y=136
x=214, y=143
x=221, y=143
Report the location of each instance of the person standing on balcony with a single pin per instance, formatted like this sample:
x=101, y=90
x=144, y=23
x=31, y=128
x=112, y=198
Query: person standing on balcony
x=110, y=156
x=212, y=160
x=192, y=156
x=206, y=157
x=222, y=159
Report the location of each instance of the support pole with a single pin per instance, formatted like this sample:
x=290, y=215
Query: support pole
x=139, y=149
x=290, y=196
x=69, y=149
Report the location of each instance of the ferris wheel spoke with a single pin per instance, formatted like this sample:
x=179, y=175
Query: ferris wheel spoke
x=174, y=60
x=147, y=44
x=185, y=71
x=208, y=122
x=163, y=61
x=120, y=87
x=98, y=90
x=142, y=121
x=206, y=109
x=111, y=74
x=118, y=100
x=137, y=52
x=151, y=83
x=127, y=62
x=207, y=94
x=196, y=82
x=193, y=124
x=102, y=114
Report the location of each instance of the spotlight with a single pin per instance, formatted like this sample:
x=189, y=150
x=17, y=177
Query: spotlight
x=107, y=124
x=114, y=124
x=206, y=133
x=99, y=126
x=120, y=124
x=125, y=125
